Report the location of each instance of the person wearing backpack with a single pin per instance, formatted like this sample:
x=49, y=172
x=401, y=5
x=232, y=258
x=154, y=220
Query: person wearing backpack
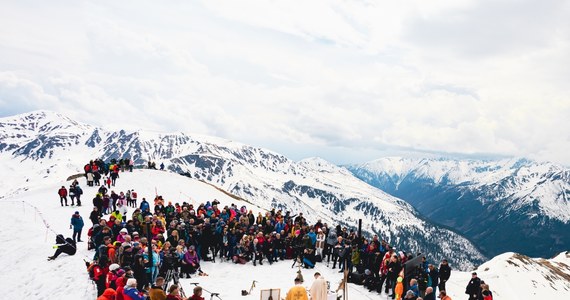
x=78, y=193
x=99, y=275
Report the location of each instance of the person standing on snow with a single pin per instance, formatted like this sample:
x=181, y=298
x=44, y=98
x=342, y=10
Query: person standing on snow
x=297, y=292
x=444, y=274
x=77, y=225
x=62, y=192
x=72, y=194
x=319, y=288
x=78, y=193
x=473, y=289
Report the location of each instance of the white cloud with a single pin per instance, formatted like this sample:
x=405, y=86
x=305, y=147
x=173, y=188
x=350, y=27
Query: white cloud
x=345, y=80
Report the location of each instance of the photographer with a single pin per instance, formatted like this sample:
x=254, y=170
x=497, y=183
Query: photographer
x=169, y=259
x=309, y=258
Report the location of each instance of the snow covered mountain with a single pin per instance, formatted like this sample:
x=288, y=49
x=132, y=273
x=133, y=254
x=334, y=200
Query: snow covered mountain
x=33, y=217
x=515, y=276
x=37, y=144
x=505, y=205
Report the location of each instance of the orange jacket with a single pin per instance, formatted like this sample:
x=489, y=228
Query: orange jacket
x=399, y=290
x=108, y=294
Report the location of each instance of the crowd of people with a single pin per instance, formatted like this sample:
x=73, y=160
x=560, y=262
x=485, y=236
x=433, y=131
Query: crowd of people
x=182, y=235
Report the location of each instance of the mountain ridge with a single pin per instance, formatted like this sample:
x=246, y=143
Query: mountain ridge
x=262, y=176
x=499, y=204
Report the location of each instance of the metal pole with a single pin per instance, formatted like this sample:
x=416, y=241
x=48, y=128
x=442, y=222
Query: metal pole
x=149, y=246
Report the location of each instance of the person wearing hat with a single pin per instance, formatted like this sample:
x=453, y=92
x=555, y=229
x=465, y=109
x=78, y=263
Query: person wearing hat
x=108, y=294
x=320, y=244
x=297, y=292
x=112, y=276
x=399, y=290
x=77, y=225
x=473, y=288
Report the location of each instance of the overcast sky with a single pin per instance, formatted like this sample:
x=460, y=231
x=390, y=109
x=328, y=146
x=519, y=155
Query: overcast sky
x=348, y=81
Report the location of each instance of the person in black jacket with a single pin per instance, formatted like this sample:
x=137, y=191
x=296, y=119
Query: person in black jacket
x=94, y=216
x=473, y=289
x=394, y=267
x=63, y=245
x=98, y=202
x=444, y=274
x=430, y=294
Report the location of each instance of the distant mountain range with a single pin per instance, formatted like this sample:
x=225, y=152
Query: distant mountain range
x=37, y=141
x=506, y=205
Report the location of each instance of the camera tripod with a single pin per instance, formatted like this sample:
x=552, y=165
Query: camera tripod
x=172, y=274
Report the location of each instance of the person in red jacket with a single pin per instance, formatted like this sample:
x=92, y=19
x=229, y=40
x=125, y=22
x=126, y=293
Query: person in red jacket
x=120, y=283
x=99, y=276
x=174, y=293
x=197, y=294
x=62, y=192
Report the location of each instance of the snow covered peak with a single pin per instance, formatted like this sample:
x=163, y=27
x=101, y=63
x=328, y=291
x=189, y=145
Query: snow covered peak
x=549, y=276
x=263, y=177
x=523, y=181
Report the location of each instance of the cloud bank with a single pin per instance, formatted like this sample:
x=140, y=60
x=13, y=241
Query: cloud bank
x=344, y=80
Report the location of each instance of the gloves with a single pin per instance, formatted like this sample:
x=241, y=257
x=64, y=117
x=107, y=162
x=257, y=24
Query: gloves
x=56, y=246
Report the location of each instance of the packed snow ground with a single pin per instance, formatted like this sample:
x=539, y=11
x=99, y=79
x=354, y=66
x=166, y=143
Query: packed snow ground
x=32, y=218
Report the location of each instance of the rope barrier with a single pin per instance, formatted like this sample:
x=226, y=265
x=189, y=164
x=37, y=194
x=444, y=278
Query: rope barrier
x=37, y=212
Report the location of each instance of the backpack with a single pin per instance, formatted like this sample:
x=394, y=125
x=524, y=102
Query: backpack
x=134, y=195
x=78, y=190
x=91, y=271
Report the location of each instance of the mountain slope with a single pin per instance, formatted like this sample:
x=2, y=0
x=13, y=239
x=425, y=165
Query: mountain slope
x=263, y=177
x=506, y=205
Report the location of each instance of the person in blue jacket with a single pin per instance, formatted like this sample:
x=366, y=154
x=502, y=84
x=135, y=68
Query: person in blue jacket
x=77, y=225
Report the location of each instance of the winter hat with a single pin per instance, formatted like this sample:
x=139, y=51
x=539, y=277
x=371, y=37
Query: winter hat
x=131, y=282
x=400, y=279
x=135, y=233
x=124, y=230
x=76, y=212
x=113, y=267
x=120, y=272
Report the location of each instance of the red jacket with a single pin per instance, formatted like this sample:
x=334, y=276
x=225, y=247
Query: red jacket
x=62, y=192
x=120, y=283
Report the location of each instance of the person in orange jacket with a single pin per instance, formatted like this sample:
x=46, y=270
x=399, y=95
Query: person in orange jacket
x=399, y=288
x=109, y=294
